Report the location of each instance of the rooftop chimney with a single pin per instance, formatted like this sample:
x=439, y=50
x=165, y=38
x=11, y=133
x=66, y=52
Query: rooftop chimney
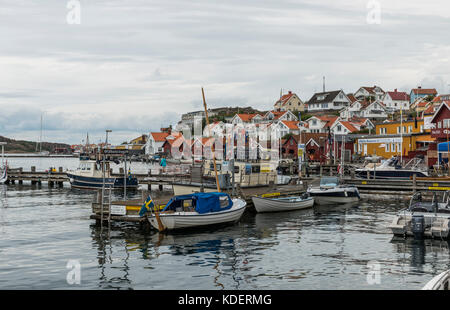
x=395, y=90
x=289, y=92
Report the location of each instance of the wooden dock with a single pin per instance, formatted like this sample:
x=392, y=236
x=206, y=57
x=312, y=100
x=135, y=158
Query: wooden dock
x=128, y=211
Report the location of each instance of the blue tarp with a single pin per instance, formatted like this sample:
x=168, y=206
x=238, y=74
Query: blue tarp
x=202, y=202
x=443, y=147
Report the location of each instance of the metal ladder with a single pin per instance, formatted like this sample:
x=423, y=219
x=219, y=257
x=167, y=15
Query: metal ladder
x=106, y=201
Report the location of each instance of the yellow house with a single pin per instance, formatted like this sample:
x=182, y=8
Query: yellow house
x=387, y=146
x=394, y=128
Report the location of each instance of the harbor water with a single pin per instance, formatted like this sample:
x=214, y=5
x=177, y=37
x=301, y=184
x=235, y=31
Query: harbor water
x=45, y=230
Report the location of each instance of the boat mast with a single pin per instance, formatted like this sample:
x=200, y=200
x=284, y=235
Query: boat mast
x=213, y=151
x=40, y=138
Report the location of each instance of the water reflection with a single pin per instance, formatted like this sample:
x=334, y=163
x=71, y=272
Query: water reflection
x=421, y=253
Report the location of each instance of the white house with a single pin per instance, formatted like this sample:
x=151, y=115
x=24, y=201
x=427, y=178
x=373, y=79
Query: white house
x=396, y=100
x=332, y=100
x=319, y=124
x=214, y=129
x=366, y=92
x=341, y=127
x=155, y=142
x=375, y=109
x=273, y=116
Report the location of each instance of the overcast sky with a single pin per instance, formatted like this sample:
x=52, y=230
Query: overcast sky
x=133, y=66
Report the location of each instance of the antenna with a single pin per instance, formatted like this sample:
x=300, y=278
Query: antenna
x=323, y=83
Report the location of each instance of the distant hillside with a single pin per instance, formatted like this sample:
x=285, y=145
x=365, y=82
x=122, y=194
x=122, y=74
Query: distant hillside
x=19, y=146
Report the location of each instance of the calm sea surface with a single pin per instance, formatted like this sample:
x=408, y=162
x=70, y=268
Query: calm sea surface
x=43, y=229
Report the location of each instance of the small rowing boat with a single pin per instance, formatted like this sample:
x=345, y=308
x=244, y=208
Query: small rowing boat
x=282, y=203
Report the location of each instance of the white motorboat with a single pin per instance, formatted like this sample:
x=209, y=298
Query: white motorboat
x=291, y=203
x=392, y=169
x=331, y=192
x=440, y=282
x=196, y=210
x=89, y=175
x=424, y=219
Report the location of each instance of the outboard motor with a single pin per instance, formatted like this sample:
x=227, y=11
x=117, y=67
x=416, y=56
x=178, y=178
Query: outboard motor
x=418, y=226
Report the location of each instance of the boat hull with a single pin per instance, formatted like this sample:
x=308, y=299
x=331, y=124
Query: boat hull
x=83, y=182
x=323, y=196
x=389, y=174
x=182, y=220
x=274, y=205
x=440, y=282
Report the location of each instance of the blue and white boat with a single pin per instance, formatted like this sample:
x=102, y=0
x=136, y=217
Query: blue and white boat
x=330, y=191
x=196, y=210
x=89, y=175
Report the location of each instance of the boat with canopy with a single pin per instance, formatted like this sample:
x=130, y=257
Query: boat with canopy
x=194, y=210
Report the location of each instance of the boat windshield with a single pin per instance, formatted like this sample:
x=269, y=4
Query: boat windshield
x=329, y=181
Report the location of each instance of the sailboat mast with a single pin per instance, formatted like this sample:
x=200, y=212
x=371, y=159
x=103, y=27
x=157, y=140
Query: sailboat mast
x=40, y=138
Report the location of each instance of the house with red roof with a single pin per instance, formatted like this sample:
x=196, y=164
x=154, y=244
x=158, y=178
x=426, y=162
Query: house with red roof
x=396, y=100
x=366, y=92
x=374, y=110
x=341, y=127
x=272, y=116
x=155, y=142
x=320, y=124
x=289, y=102
x=246, y=118
x=420, y=92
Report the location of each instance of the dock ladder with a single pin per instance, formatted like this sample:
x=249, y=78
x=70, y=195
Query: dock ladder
x=106, y=202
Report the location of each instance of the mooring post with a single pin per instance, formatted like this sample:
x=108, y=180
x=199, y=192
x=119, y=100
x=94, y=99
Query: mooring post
x=33, y=168
x=414, y=183
x=321, y=170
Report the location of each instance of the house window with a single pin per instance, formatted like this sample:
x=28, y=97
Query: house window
x=421, y=128
x=314, y=122
x=387, y=147
x=404, y=129
x=409, y=129
x=440, y=125
x=339, y=128
x=398, y=129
